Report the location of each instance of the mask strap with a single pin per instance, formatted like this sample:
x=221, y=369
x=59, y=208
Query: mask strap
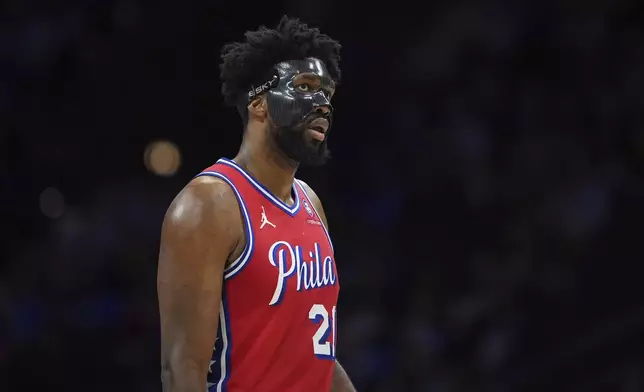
x=256, y=90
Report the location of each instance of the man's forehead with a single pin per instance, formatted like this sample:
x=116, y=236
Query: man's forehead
x=310, y=65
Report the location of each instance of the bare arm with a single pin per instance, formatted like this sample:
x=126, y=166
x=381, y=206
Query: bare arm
x=341, y=381
x=200, y=230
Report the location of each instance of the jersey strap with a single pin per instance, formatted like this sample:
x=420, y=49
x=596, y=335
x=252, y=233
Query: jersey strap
x=300, y=183
x=238, y=264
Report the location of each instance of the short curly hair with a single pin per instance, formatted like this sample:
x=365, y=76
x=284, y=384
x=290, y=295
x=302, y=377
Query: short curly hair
x=244, y=62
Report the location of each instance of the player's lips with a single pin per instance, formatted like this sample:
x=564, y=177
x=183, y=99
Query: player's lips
x=320, y=125
x=317, y=128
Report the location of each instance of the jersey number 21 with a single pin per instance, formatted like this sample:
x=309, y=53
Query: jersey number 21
x=322, y=348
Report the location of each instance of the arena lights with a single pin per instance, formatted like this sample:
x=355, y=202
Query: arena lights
x=162, y=157
x=52, y=203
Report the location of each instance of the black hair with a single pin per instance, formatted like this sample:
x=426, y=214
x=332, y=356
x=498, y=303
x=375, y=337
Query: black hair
x=244, y=62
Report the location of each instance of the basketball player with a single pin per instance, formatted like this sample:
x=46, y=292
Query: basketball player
x=247, y=280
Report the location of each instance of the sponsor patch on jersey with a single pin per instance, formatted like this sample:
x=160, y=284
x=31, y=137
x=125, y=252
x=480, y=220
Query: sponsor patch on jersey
x=307, y=207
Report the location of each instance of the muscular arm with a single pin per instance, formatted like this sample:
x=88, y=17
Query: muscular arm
x=200, y=230
x=341, y=381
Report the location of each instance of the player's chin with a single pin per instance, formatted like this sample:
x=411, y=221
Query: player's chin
x=317, y=157
x=317, y=147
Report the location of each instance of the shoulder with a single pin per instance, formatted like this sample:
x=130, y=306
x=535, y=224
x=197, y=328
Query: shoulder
x=205, y=203
x=201, y=229
x=309, y=191
x=315, y=199
x=311, y=194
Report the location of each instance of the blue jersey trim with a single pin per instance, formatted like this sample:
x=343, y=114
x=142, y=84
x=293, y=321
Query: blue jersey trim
x=291, y=210
x=220, y=366
x=237, y=265
x=326, y=230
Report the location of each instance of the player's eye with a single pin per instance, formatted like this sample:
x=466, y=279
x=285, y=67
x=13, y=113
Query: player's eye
x=304, y=87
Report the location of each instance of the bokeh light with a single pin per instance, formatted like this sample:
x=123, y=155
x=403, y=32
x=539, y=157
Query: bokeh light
x=52, y=203
x=162, y=158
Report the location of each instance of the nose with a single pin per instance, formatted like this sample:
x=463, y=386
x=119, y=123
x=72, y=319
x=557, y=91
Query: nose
x=323, y=109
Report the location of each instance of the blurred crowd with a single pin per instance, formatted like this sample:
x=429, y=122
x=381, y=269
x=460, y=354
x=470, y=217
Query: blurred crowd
x=484, y=198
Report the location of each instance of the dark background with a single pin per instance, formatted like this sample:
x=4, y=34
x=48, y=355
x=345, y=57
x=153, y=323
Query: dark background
x=485, y=196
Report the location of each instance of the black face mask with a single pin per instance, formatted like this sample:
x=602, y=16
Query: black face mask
x=292, y=110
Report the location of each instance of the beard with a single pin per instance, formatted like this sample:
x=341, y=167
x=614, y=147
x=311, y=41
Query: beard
x=295, y=143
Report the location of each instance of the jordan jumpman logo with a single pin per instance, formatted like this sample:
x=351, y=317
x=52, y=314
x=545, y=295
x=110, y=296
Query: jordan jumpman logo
x=265, y=220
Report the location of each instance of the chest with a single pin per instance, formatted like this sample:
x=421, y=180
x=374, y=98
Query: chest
x=292, y=261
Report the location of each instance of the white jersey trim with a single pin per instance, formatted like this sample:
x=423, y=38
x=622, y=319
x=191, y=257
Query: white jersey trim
x=291, y=210
x=238, y=264
x=306, y=194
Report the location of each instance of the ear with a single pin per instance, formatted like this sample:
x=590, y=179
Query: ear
x=257, y=108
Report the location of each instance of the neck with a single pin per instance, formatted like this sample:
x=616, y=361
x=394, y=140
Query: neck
x=269, y=167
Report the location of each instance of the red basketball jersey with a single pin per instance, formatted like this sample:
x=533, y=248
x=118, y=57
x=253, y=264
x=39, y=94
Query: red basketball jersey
x=277, y=324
